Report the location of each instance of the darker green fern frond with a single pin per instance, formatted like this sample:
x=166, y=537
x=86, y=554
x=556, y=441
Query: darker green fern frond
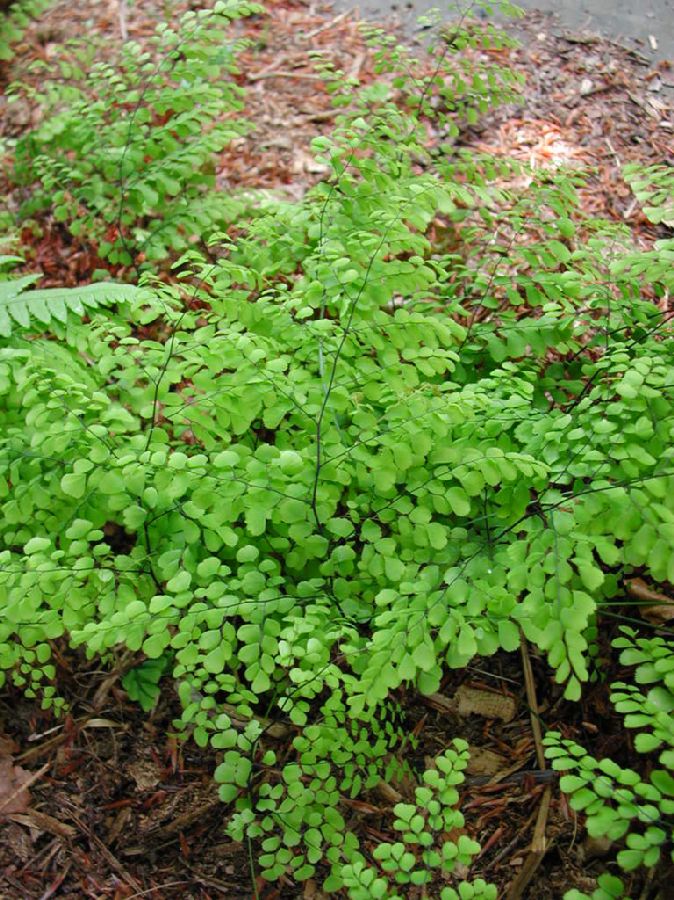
x=22, y=308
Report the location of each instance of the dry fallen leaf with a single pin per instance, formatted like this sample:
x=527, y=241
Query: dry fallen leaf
x=663, y=608
x=14, y=795
x=19, y=841
x=484, y=762
x=471, y=701
x=42, y=822
x=312, y=891
x=7, y=745
x=146, y=774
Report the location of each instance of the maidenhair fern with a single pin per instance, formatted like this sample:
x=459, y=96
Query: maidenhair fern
x=126, y=156
x=609, y=887
x=15, y=16
x=618, y=803
x=338, y=460
x=424, y=849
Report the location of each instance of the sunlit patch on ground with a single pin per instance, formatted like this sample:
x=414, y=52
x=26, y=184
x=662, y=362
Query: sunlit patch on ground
x=540, y=143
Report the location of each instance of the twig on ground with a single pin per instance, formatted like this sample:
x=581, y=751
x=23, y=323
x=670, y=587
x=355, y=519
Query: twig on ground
x=109, y=857
x=304, y=76
x=123, y=29
x=539, y=845
x=537, y=850
x=326, y=26
x=530, y=688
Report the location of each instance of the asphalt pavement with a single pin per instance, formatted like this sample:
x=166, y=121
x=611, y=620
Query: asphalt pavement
x=643, y=25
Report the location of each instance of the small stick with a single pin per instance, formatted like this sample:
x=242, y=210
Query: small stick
x=304, y=76
x=537, y=850
x=326, y=26
x=123, y=30
x=539, y=845
x=109, y=857
x=533, y=703
x=504, y=851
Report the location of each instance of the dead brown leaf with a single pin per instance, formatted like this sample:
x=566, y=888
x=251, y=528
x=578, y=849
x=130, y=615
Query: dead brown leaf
x=42, y=822
x=484, y=762
x=14, y=794
x=663, y=606
x=312, y=891
x=145, y=773
x=7, y=745
x=473, y=701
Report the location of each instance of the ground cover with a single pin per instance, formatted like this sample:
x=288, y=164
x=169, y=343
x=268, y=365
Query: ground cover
x=79, y=828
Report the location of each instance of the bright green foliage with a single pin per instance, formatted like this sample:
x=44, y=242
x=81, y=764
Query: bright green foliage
x=22, y=307
x=618, y=803
x=424, y=848
x=297, y=813
x=14, y=21
x=300, y=824
x=652, y=186
x=142, y=682
x=341, y=458
x=654, y=659
x=608, y=888
x=461, y=84
x=126, y=155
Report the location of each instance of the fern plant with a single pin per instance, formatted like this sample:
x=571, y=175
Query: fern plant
x=609, y=887
x=298, y=815
x=617, y=802
x=125, y=156
x=15, y=16
x=23, y=307
x=338, y=460
x=652, y=186
x=423, y=827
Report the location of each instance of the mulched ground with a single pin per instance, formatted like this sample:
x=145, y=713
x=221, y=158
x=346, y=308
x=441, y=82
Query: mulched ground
x=118, y=810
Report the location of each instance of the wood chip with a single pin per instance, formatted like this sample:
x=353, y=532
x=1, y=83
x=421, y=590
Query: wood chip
x=468, y=701
x=484, y=762
x=44, y=822
x=472, y=701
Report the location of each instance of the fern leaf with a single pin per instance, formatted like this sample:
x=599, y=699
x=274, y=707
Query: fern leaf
x=19, y=306
x=8, y=260
x=14, y=20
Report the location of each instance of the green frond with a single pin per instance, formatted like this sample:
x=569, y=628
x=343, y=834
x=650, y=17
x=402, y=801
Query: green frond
x=14, y=21
x=24, y=308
